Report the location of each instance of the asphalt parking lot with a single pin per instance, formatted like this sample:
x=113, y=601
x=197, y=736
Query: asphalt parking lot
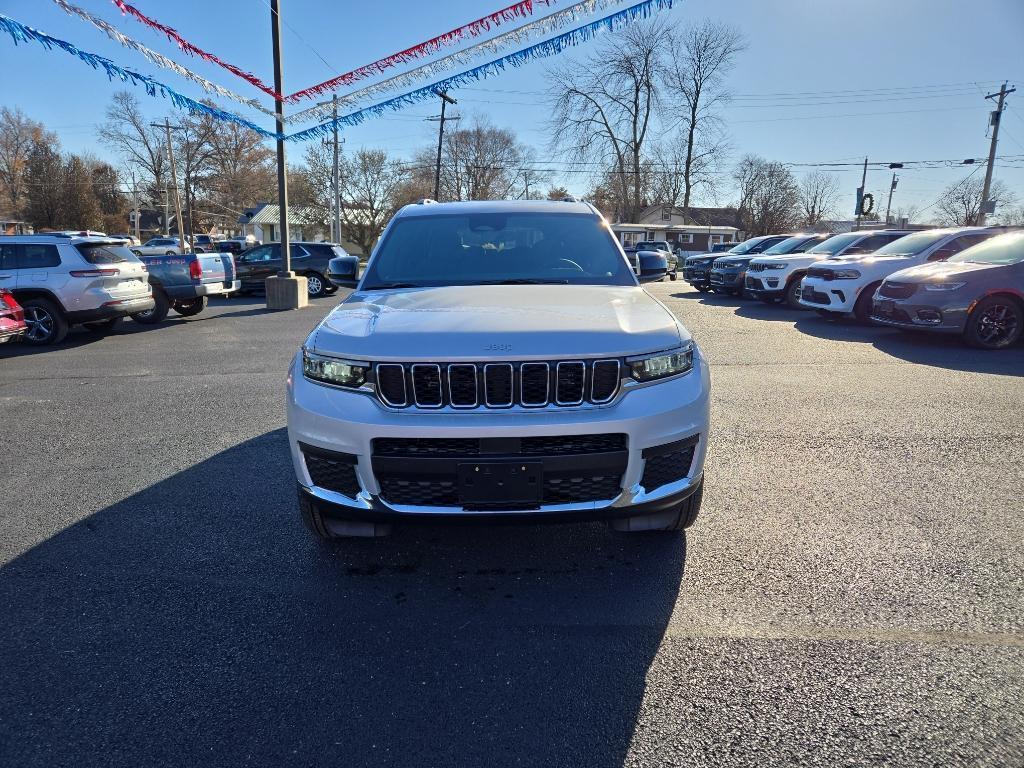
x=851, y=594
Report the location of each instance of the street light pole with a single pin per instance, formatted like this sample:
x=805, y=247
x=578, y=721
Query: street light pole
x=860, y=193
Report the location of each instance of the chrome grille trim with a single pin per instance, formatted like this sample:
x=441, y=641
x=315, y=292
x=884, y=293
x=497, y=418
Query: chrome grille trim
x=476, y=386
x=558, y=382
x=511, y=385
x=440, y=387
x=405, y=386
x=618, y=378
x=547, y=386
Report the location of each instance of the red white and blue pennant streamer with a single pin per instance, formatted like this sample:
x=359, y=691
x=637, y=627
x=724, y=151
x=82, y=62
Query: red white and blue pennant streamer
x=517, y=10
x=191, y=49
x=493, y=46
x=550, y=47
x=159, y=59
x=21, y=33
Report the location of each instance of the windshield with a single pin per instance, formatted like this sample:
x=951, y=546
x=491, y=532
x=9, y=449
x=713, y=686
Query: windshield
x=481, y=248
x=651, y=245
x=105, y=253
x=745, y=246
x=911, y=245
x=789, y=245
x=836, y=243
x=1001, y=249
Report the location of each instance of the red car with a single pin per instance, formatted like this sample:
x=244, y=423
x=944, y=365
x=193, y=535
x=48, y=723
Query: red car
x=12, y=318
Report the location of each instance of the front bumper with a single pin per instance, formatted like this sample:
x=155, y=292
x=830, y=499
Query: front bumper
x=653, y=416
x=764, y=285
x=908, y=313
x=697, y=275
x=731, y=280
x=833, y=295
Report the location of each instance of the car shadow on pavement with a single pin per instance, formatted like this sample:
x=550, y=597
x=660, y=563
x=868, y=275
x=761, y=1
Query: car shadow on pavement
x=923, y=348
x=197, y=623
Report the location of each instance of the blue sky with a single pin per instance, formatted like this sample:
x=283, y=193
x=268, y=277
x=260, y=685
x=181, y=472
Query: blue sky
x=821, y=81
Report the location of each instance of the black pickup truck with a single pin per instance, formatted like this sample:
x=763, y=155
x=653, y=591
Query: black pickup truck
x=184, y=283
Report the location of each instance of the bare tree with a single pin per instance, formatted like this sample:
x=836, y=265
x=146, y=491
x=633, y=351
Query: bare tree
x=142, y=148
x=18, y=135
x=79, y=207
x=239, y=173
x=557, y=193
x=606, y=109
x=371, y=182
x=768, y=196
x=960, y=203
x=702, y=56
x=818, y=193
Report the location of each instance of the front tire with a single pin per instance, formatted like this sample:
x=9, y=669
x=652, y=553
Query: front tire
x=862, y=307
x=678, y=519
x=191, y=307
x=996, y=323
x=46, y=323
x=792, y=296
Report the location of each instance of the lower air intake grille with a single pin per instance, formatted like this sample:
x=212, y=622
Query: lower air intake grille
x=332, y=471
x=666, y=464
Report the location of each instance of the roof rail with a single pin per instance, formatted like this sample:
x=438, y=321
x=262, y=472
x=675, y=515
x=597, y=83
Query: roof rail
x=426, y=201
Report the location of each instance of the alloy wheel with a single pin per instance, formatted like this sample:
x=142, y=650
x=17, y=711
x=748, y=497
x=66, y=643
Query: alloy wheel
x=313, y=285
x=39, y=322
x=997, y=323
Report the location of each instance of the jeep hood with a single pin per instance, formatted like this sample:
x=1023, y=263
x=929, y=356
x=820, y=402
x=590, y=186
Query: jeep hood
x=503, y=322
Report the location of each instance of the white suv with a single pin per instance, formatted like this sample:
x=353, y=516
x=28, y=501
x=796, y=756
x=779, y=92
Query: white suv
x=780, y=276
x=498, y=360
x=61, y=281
x=848, y=283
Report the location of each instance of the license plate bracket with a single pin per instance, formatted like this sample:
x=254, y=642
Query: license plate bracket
x=494, y=482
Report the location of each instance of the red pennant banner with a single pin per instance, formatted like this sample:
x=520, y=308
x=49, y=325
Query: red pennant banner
x=186, y=46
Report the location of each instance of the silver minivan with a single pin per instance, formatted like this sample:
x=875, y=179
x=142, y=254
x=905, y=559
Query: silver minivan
x=63, y=280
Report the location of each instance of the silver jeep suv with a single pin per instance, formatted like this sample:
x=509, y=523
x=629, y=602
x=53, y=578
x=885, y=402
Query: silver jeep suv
x=62, y=281
x=498, y=360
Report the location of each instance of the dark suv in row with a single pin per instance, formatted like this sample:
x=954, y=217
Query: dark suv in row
x=308, y=259
x=697, y=269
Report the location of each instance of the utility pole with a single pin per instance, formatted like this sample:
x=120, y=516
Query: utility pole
x=285, y=291
x=174, y=179
x=167, y=213
x=337, y=174
x=445, y=100
x=335, y=171
x=895, y=180
x=996, y=117
x=860, y=192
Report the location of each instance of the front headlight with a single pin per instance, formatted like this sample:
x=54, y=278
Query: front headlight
x=775, y=266
x=661, y=364
x=845, y=274
x=943, y=286
x=331, y=370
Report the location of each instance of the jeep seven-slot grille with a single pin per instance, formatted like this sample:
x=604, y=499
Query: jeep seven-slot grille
x=497, y=385
x=755, y=267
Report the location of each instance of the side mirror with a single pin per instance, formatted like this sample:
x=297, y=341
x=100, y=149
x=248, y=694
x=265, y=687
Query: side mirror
x=652, y=278
x=343, y=272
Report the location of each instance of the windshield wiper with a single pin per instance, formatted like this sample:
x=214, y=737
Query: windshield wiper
x=523, y=281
